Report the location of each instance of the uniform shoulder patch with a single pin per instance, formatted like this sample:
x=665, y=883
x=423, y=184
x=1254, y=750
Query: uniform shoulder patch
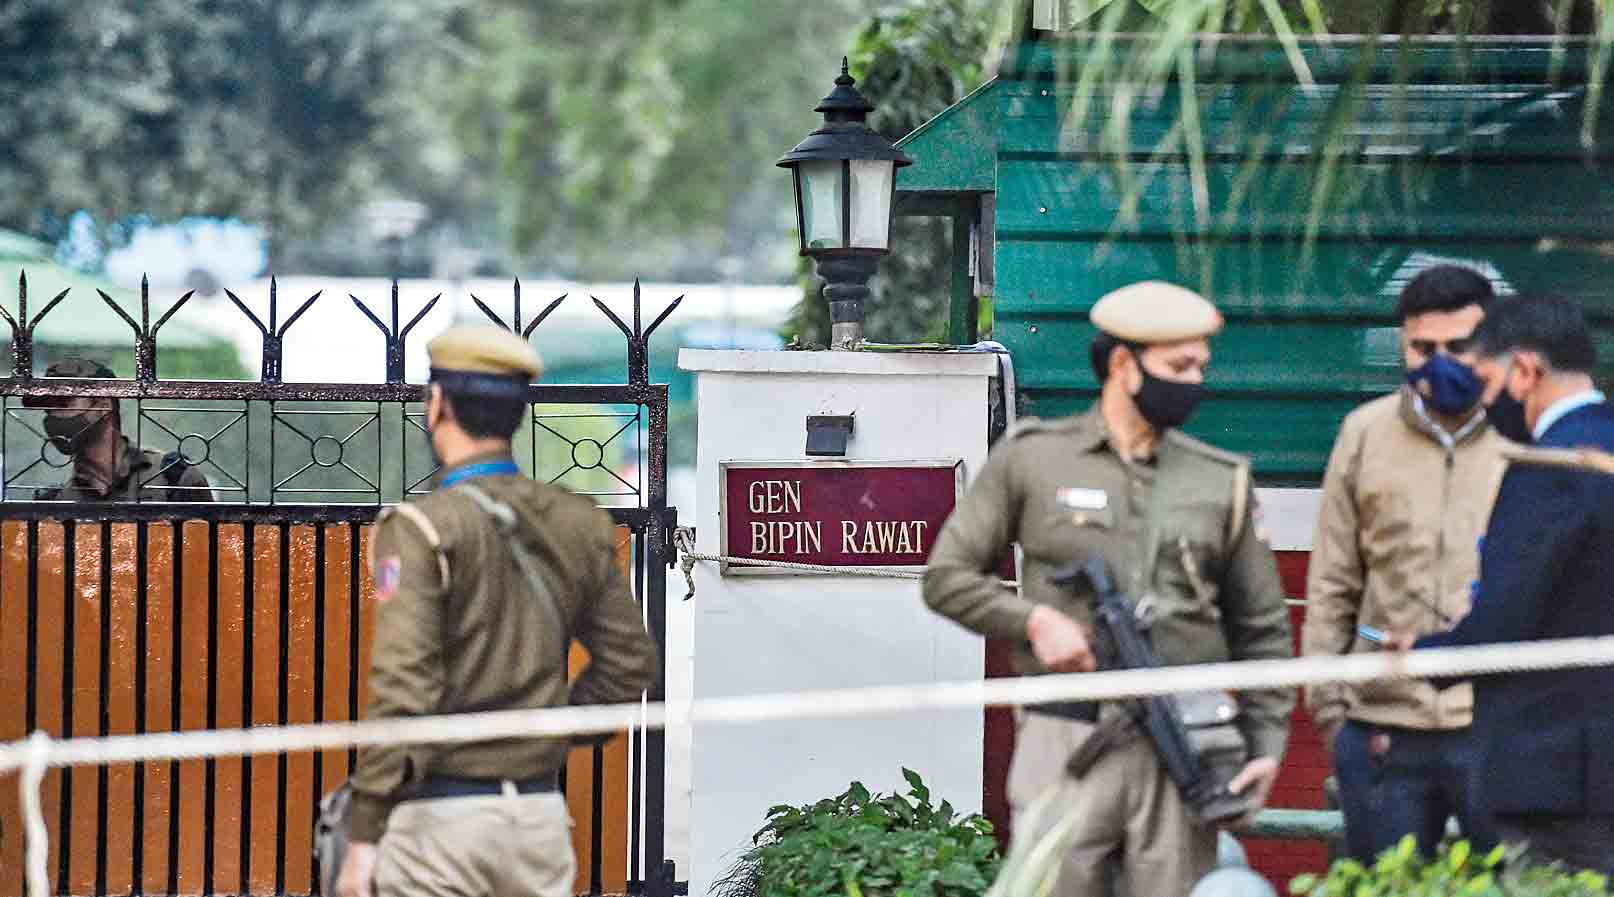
x=1028, y=425
x=388, y=573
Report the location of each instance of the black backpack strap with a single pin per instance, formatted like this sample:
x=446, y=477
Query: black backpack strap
x=173, y=467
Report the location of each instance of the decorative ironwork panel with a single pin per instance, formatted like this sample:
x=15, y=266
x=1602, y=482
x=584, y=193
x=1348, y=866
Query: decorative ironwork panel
x=200, y=574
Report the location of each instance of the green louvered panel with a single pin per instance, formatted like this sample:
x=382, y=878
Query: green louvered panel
x=1058, y=199
x=1488, y=173
x=1501, y=119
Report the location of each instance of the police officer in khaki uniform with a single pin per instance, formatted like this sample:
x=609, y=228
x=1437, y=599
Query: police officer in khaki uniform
x=480, y=589
x=1173, y=517
x=107, y=465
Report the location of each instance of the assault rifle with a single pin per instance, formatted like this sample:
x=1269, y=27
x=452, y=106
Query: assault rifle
x=1194, y=732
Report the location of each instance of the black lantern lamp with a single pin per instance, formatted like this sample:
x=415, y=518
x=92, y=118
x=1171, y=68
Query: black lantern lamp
x=846, y=177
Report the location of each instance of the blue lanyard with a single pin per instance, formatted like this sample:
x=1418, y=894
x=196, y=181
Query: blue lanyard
x=485, y=469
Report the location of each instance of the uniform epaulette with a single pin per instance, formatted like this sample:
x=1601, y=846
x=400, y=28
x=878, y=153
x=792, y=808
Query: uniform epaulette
x=1027, y=425
x=1240, y=484
x=411, y=512
x=1231, y=459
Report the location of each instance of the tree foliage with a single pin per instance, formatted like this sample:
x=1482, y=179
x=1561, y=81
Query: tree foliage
x=271, y=110
x=912, y=60
x=626, y=133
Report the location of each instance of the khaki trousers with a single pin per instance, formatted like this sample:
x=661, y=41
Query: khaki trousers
x=1133, y=835
x=516, y=845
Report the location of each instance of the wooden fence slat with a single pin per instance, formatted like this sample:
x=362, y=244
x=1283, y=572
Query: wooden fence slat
x=580, y=803
x=49, y=670
x=617, y=818
x=194, y=626
x=338, y=632
x=87, y=606
x=159, y=700
x=366, y=615
x=300, y=649
x=14, y=709
x=124, y=607
x=265, y=709
x=229, y=693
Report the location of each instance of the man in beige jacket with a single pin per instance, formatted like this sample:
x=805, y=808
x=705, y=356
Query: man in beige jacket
x=1405, y=500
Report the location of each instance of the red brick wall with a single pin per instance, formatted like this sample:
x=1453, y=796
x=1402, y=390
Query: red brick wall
x=1300, y=784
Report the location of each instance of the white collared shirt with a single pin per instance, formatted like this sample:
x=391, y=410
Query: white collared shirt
x=1563, y=406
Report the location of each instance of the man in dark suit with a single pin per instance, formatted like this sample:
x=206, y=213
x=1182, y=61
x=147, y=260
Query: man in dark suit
x=1546, y=571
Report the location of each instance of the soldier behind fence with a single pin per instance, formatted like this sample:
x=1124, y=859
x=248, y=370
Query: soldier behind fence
x=481, y=588
x=106, y=464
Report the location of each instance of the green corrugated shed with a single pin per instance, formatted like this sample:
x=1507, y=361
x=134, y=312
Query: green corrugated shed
x=1476, y=157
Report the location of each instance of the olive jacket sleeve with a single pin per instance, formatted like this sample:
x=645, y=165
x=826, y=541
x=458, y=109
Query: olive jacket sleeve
x=960, y=580
x=407, y=670
x=1256, y=622
x=622, y=658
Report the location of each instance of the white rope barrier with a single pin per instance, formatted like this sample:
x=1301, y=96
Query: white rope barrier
x=37, y=851
x=834, y=703
x=40, y=752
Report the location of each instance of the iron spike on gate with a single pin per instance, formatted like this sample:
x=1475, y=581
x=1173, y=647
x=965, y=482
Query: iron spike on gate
x=145, y=332
x=515, y=325
x=395, y=335
x=273, y=339
x=22, y=334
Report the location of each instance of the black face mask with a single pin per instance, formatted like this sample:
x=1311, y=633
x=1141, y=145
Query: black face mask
x=1166, y=403
x=70, y=433
x=1506, y=416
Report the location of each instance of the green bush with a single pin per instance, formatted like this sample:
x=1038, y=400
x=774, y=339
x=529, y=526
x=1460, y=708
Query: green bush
x=1455, y=871
x=867, y=845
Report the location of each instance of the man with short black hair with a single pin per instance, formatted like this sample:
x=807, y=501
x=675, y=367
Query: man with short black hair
x=1545, y=571
x=1405, y=498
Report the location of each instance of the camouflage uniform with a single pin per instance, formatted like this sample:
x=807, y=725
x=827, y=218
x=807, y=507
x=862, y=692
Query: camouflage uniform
x=141, y=475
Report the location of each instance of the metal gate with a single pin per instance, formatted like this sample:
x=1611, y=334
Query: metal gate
x=145, y=616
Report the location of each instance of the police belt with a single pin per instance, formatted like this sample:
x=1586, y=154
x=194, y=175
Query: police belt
x=456, y=786
x=1080, y=711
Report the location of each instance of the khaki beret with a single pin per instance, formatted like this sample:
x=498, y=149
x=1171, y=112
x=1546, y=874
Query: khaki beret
x=483, y=360
x=1155, y=312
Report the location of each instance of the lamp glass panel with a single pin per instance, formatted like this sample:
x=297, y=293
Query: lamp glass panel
x=871, y=203
x=821, y=203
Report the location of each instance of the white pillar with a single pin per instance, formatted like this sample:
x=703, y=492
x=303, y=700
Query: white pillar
x=756, y=634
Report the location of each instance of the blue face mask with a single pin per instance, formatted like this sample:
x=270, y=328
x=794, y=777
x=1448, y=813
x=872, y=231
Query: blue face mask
x=1449, y=386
